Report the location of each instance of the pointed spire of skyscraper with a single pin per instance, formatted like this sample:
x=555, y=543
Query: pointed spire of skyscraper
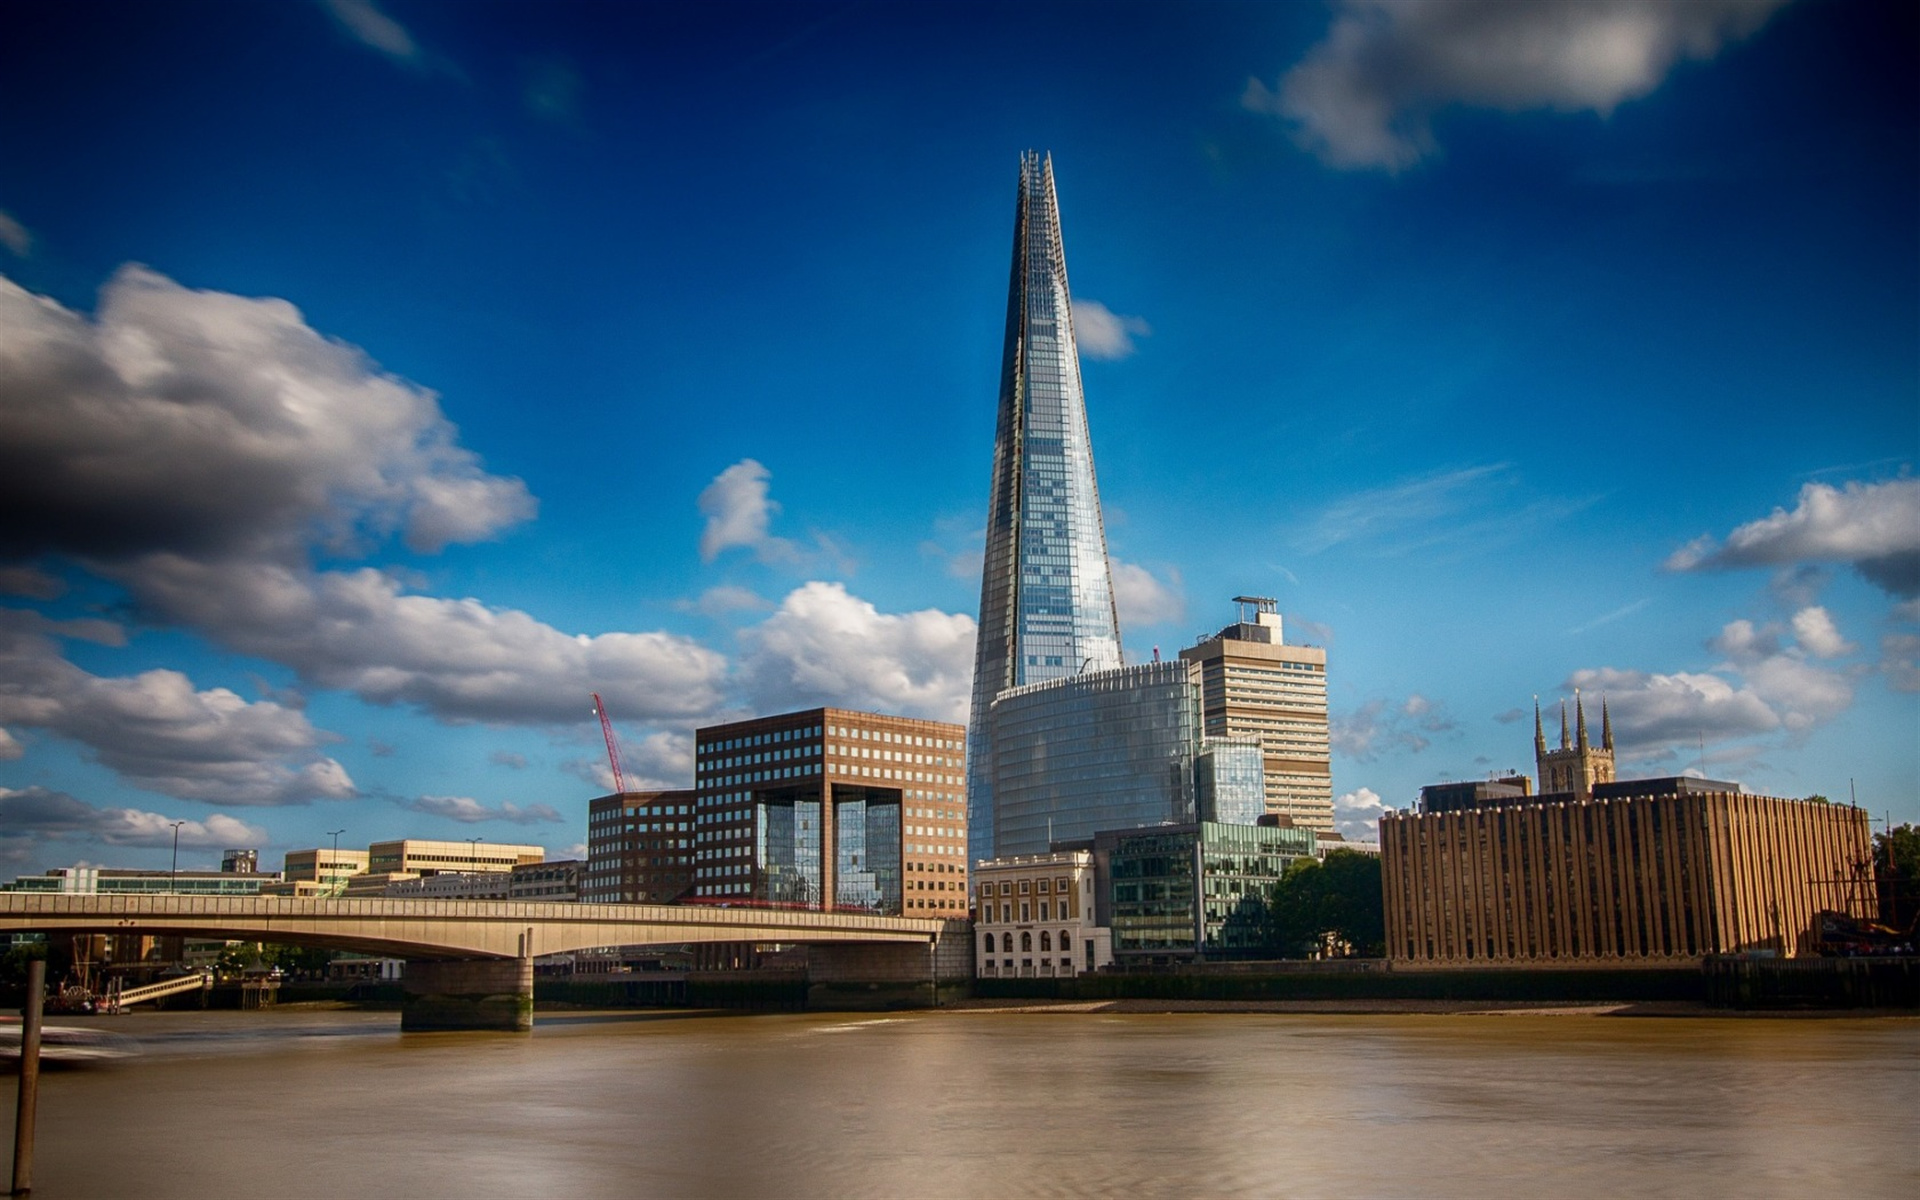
x=1046, y=591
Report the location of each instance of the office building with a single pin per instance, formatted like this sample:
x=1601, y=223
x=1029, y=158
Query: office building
x=639, y=848
x=321, y=871
x=834, y=808
x=556, y=881
x=424, y=857
x=1639, y=873
x=1111, y=750
x=1046, y=589
x=1255, y=685
x=1034, y=917
x=241, y=862
x=1195, y=891
x=451, y=885
x=118, y=881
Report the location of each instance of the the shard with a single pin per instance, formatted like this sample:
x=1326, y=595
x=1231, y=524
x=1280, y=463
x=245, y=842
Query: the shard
x=1046, y=593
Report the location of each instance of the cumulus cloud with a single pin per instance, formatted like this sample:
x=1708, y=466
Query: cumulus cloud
x=1356, y=815
x=158, y=731
x=204, y=423
x=1101, y=333
x=14, y=236
x=39, y=810
x=824, y=646
x=1814, y=629
x=1875, y=527
x=469, y=811
x=1365, y=97
x=1382, y=726
x=739, y=510
x=459, y=660
x=1900, y=661
x=364, y=20
x=1654, y=712
x=1144, y=599
x=31, y=582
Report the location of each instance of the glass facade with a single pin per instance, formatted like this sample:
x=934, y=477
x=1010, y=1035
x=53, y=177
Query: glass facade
x=1046, y=591
x=1198, y=890
x=1104, y=750
x=866, y=834
x=786, y=850
x=1229, y=778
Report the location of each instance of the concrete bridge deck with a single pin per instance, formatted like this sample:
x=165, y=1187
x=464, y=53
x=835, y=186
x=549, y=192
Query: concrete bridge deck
x=445, y=929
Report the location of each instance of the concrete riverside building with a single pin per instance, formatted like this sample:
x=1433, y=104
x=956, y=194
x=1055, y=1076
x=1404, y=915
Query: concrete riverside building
x=323, y=871
x=1112, y=750
x=420, y=856
x=552, y=882
x=1046, y=588
x=1253, y=684
x=1034, y=916
x=828, y=807
x=1646, y=872
x=1194, y=891
x=110, y=881
x=639, y=848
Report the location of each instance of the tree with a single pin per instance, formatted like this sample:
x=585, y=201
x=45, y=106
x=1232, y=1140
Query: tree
x=1896, y=865
x=1332, y=907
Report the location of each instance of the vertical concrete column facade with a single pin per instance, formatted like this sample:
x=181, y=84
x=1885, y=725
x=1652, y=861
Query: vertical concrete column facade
x=473, y=993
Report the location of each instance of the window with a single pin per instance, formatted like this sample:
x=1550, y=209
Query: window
x=1026, y=943
x=1046, y=941
x=989, y=943
x=1026, y=911
x=1044, y=914
x=1006, y=913
x=1066, y=946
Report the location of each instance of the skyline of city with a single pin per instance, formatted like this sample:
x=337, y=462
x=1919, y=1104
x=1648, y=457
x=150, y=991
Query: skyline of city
x=318, y=517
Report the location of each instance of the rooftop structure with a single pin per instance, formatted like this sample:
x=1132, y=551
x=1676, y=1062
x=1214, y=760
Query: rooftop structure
x=1046, y=589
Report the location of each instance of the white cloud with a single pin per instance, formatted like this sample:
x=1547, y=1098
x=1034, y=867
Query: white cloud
x=14, y=236
x=1144, y=599
x=1471, y=508
x=739, y=511
x=1814, y=629
x=459, y=660
x=41, y=811
x=469, y=811
x=577, y=851
x=1101, y=333
x=1654, y=712
x=824, y=646
x=364, y=20
x=210, y=424
x=724, y=600
x=1366, y=95
x=1357, y=814
x=159, y=732
x=1873, y=526
x=1900, y=661
x=10, y=748
x=1381, y=726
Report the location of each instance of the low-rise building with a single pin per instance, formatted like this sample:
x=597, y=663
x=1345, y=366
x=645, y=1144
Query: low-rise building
x=425, y=857
x=639, y=848
x=1195, y=891
x=556, y=882
x=326, y=870
x=1034, y=916
x=104, y=881
x=453, y=885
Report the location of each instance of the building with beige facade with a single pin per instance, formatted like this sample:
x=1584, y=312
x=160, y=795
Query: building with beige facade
x=423, y=857
x=321, y=871
x=1034, y=916
x=1643, y=873
x=1252, y=684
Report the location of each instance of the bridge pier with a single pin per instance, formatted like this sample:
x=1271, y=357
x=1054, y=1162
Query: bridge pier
x=470, y=993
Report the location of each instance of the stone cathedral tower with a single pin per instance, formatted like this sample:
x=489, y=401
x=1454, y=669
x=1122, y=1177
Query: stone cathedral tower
x=1577, y=765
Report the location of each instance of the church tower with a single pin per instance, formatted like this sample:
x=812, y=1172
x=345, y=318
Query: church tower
x=1577, y=765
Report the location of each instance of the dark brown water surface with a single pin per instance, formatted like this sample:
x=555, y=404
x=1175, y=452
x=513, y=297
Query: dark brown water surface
x=958, y=1104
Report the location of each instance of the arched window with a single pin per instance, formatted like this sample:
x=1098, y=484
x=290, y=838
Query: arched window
x=1046, y=940
x=1066, y=943
x=1026, y=942
x=989, y=943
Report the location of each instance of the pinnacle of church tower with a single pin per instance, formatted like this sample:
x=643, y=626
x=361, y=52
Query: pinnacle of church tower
x=1046, y=590
x=1580, y=718
x=1606, y=726
x=1566, y=739
x=1539, y=734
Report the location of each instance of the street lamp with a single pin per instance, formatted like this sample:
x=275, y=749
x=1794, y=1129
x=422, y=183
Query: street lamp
x=173, y=876
x=473, y=854
x=334, y=864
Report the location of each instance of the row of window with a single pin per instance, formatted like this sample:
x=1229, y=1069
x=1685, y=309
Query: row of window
x=1026, y=942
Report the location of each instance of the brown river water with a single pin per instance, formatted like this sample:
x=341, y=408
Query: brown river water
x=340, y=1104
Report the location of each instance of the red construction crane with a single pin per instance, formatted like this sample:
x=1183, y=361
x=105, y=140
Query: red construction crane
x=613, y=748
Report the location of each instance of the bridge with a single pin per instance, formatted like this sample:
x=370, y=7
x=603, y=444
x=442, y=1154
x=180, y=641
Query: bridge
x=470, y=962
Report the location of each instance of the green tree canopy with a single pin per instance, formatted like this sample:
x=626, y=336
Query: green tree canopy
x=1333, y=907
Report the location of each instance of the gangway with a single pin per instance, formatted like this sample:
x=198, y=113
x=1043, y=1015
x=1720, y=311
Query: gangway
x=119, y=997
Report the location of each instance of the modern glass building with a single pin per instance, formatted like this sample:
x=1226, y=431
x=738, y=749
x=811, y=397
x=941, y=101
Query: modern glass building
x=1229, y=780
x=1193, y=891
x=1104, y=750
x=1046, y=591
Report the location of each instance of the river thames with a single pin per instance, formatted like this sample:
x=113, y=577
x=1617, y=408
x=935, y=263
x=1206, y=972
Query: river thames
x=335, y=1104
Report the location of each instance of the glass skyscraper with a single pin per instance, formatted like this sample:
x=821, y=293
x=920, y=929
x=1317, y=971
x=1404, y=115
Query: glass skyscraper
x=1046, y=592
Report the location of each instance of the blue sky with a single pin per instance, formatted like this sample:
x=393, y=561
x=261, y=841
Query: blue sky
x=380, y=379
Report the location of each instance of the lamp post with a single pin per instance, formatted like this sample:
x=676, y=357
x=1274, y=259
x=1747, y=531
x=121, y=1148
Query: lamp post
x=173, y=875
x=334, y=864
x=473, y=854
